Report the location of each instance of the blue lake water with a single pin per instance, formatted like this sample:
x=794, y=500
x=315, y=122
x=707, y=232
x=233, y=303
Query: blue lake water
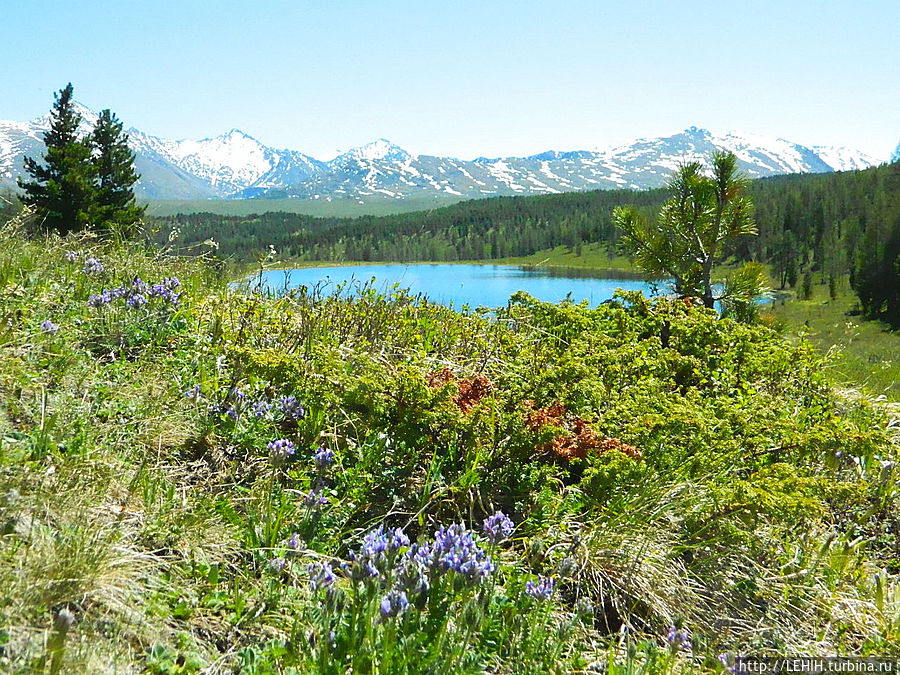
x=458, y=285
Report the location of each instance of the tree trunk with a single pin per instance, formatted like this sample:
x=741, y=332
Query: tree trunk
x=708, y=299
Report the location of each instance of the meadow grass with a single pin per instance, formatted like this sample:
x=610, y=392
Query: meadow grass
x=861, y=352
x=196, y=478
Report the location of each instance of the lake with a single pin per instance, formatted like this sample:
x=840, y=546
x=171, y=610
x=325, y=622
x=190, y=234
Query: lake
x=458, y=285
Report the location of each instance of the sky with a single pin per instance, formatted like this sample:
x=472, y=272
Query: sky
x=464, y=79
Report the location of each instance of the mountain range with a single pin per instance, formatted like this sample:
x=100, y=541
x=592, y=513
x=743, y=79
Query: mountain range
x=235, y=165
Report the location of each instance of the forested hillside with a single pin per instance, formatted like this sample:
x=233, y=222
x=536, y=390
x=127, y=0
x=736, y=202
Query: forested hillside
x=829, y=224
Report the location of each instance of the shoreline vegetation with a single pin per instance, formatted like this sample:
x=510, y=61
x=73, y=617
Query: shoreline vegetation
x=860, y=350
x=196, y=480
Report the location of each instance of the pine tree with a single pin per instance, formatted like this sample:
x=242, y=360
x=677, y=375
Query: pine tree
x=61, y=190
x=687, y=239
x=114, y=203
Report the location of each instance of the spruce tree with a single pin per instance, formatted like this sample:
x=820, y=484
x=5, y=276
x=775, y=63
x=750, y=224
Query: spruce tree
x=62, y=189
x=114, y=203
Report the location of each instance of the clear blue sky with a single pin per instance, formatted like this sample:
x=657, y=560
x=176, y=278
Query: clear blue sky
x=464, y=78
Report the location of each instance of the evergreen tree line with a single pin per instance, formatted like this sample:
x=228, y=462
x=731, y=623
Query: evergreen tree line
x=83, y=181
x=812, y=228
x=485, y=229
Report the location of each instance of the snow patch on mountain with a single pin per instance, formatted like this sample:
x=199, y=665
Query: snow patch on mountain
x=841, y=158
x=236, y=165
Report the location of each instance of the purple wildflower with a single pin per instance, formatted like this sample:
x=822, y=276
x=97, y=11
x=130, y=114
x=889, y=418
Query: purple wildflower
x=165, y=290
x=136, y=300
x=49, y=327
x=394, y=603
x=315, y=498
x=323, y=459
x=92, y=266
x=361, y=567
x=411, y=574
x=320, y=576
x=290, y=407
x=277, y=564
x=261, y=408
x=497, y=527
x=99, y=300
x=293, y=543
x=543, y=590
x=194, y=393
x=281, y=450
x=678, y=638
x=455, y=549
x=71, y=256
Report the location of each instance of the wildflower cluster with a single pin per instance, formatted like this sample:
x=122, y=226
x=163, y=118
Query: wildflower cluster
x=281, y=451
x=678, y=639
x=497, y=527
x=322, y=460
x=405, y=572
x=91, y=265
x=138, y=293
x=542, y=590
x=290, y=408
x=320, y=576
x=235, y=403
x=49, y=327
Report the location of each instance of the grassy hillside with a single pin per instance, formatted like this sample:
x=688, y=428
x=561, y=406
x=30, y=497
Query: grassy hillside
x=195, y=478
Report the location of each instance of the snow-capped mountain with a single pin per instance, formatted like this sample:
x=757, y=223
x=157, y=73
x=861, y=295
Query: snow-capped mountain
x=236, y=165
x=895, y=156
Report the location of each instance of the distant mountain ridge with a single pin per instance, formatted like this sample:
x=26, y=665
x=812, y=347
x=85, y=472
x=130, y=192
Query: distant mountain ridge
x=236, y=165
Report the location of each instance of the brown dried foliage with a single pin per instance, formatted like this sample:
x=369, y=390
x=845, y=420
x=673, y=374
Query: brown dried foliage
x=580, y=439
x=469, y=391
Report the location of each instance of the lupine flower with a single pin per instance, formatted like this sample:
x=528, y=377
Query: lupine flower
x=140, y=286
x=165, y=290
x=394, y=603
x=136, y=300
x=281, y=450
x=727, y=661
x=194, y=393
x=361, y=567
x=543, y=590
x=497, y=527
x=100, y=299
x=320, y=576
x=71, y=256
x=49, y=327
x=261, y=408
x=92, y=266
x=277, y=564
x=323, y=459
x=678, y=638
x=290, y=407
x=455, y=549
x=119, y=292
x=315, y=498
x=293, y=543
x=412, y=575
